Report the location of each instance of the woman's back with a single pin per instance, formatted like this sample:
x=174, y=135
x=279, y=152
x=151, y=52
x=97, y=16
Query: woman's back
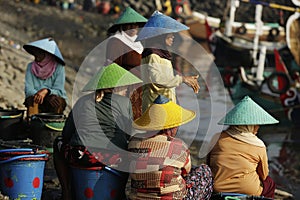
x=234, y=165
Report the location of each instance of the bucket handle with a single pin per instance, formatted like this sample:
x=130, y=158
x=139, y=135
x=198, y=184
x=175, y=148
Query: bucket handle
x=11, y=116
x=16, y=150
x=22, y=156
x=45, y=124
x=115, y=172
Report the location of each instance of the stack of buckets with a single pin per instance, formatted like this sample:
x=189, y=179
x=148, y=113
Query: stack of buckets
x=22, y=173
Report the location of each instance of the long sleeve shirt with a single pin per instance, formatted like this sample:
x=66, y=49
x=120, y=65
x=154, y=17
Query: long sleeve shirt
x=238, y=166
x=56, y=83
x=158, y=76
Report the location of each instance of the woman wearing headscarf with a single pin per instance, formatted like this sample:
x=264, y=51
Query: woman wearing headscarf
x=125, y=51
x=239, y=159
x=45, y=78
x=160, y=162
x=157, y=68
x=96, y=134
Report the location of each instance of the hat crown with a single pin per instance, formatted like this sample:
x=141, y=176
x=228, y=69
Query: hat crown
x=130, y=16
x=163, y=114
x=247, y=112
x=48, y=45
x=159, y=24
x=111, y=76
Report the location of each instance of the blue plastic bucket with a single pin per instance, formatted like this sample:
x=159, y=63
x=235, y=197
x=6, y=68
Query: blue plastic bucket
x=22, y=175
x=97, y=184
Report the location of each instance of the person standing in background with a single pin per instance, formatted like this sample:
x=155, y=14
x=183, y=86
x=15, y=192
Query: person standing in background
x=125, y=51
x=157, y=70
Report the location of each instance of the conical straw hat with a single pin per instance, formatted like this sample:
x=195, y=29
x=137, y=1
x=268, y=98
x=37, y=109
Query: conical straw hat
x=163, y=114
x=159, y=24
x=111, y=76
x=48, y=45
x=129, y=16
x=247, y=112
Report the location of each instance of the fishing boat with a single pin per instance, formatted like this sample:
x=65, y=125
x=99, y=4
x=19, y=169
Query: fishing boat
x=199, y=23
x=266, y=70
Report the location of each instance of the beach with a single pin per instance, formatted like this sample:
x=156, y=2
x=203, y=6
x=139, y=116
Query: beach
x=77, y=33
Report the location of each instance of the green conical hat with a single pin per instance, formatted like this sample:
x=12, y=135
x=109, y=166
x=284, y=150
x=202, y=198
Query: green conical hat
x=129, y=16
x=247, y=112
x=111, y=76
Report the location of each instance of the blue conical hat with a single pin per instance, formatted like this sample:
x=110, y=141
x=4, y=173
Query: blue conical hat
x=247, y=112
x=159, y=24
x=129, y=16
x=111, y=76
x=48, y=45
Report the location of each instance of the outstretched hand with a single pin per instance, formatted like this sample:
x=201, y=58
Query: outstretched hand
x=192, y=81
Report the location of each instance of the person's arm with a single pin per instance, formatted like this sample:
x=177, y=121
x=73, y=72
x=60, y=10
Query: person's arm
x=263, y=167
x=58, y=85
x=69, y=128
x=29, y=86
x=161, y=74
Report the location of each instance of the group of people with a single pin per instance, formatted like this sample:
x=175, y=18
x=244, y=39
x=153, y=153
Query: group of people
x=128, y=120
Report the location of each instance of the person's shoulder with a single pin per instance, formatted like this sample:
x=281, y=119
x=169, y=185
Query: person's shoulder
x=85, y=100
x=115, y=41
x=120, y=98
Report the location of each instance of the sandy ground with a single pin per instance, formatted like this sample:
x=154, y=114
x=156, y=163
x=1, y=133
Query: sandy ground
x=76, y=33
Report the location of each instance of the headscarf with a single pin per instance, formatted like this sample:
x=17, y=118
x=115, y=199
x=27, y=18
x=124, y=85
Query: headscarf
x=157, y=45
x=129, y=41
x=245, y=133
x=45, y=68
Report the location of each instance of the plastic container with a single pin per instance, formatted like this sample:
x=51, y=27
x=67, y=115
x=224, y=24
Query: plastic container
x=22, y=173
x=11, y=122
x=97, y=183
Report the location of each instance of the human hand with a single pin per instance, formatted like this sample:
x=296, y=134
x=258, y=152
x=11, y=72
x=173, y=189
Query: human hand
x=54, y=102
x=40, y=95
x=192, y=81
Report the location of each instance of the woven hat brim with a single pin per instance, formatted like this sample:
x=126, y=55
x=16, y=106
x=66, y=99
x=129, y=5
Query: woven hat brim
x=48, y=45
x=111, y=76
x=163, y=116
x=247, y=112
x=159, y=24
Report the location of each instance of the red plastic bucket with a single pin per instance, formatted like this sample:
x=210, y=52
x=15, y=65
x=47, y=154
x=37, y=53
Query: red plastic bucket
x=21, y=175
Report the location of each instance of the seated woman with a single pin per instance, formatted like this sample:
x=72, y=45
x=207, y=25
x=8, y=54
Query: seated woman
x=45, y=78
x=161, y=165
x=239, y=159
x=96, y=132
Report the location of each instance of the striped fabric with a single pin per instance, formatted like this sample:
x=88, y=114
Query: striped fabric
x=157, y=168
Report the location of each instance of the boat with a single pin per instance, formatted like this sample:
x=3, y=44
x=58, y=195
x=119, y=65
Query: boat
x=266, y=70
x=199, y=23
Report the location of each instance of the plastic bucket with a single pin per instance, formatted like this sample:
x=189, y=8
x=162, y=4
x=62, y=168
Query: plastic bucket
x=10, y=124
x=22, y=175
x=97, y=184
x=45, y=127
